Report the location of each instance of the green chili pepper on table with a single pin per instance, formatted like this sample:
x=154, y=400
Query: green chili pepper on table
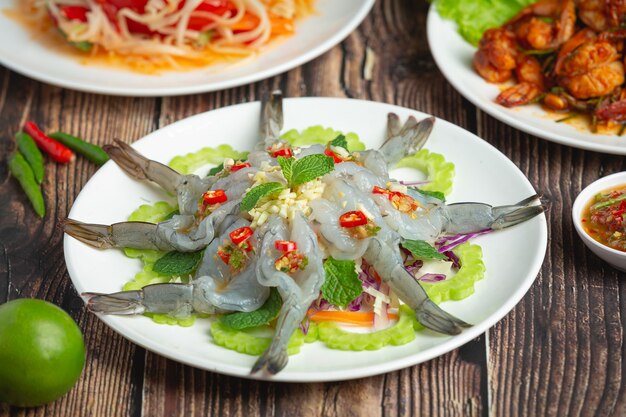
x=20, y=169
x=28, y=148
x=90, y=151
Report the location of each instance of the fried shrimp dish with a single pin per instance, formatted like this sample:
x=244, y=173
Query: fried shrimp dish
x=566, y=55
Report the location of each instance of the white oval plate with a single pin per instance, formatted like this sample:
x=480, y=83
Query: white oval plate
x=333, y=21
x=513, y=257
x=454, y=56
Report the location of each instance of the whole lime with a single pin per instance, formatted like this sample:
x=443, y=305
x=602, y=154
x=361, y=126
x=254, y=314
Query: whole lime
x=42, y=352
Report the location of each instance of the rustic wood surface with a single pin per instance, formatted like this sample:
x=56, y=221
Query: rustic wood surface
x=560, y=352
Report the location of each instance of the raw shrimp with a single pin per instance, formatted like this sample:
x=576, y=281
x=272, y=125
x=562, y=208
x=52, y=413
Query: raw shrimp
x=358, y=184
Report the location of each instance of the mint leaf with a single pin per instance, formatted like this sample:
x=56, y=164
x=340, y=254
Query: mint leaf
x=342, y=284
x=177, y=263
x=253, y=196
x=339, y=141
x=422, y=250
x=216, y=170
x=286, y=164
x=310, y=167
x=436, y=194
x=264, y=315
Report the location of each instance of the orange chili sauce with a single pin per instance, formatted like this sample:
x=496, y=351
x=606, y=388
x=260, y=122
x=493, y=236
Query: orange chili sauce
x=600, y=232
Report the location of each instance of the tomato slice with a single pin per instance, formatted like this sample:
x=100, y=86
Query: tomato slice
x=75, y=13
x=217, y=7
x=215, y=197
x=240, y=235
x=352, y=219
x=285, y=245
x=285, y=152
x=239, y=165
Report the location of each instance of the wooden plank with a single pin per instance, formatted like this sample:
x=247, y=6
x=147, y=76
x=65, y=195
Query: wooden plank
x=33, y=263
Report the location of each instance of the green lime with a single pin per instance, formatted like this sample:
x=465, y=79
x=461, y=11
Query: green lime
x=42, y=352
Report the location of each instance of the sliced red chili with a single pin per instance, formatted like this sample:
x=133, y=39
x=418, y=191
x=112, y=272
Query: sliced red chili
x=225, y=257
x=286, y=152
x=240, y=235
x=290, y=262
x=285, y=245
x=383, y=191
x=239, y=165
x=403, y=202
x=332, y=154
x=352, y=219
x=214, y=197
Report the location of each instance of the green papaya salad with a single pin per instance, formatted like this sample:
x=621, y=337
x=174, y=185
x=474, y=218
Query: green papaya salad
x=355, y=309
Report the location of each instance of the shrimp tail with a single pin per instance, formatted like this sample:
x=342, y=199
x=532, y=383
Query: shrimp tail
x=271, y=119
x=474, y=217
x=434, y=318
x=142, y=168
x=406, y=140
x=176, y=300
x=140, y=235
x=270, y=362
x=121, y=303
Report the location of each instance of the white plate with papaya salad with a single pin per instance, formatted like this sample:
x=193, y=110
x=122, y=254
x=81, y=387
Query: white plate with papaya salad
x=451, y=43
x=173, y=47
x=490, y=275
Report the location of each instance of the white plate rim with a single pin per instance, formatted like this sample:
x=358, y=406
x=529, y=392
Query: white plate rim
x=271, y=71
x=507, y=116
x=419, y=357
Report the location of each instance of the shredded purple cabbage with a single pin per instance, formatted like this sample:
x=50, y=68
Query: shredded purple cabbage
x=432, y=277
x=456, y=262
x=447, y=243
x=304, y=326
x=414, y=183
x=414, y=267
x=367, y=276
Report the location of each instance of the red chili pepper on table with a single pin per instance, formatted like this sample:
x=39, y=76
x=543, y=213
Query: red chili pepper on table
x=352, y=219
x=285, y=245
x=56, y=150
x=240, y=235
x=214, y=197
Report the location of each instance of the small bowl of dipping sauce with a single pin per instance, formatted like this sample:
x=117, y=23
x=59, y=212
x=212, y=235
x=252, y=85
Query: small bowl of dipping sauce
x=599, y=215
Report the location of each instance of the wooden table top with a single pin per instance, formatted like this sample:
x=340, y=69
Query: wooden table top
x=559, y=352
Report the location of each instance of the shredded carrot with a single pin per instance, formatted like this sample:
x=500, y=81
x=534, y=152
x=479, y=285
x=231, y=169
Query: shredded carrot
x=281, y=25
x=361, y=318
x=247, y=22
